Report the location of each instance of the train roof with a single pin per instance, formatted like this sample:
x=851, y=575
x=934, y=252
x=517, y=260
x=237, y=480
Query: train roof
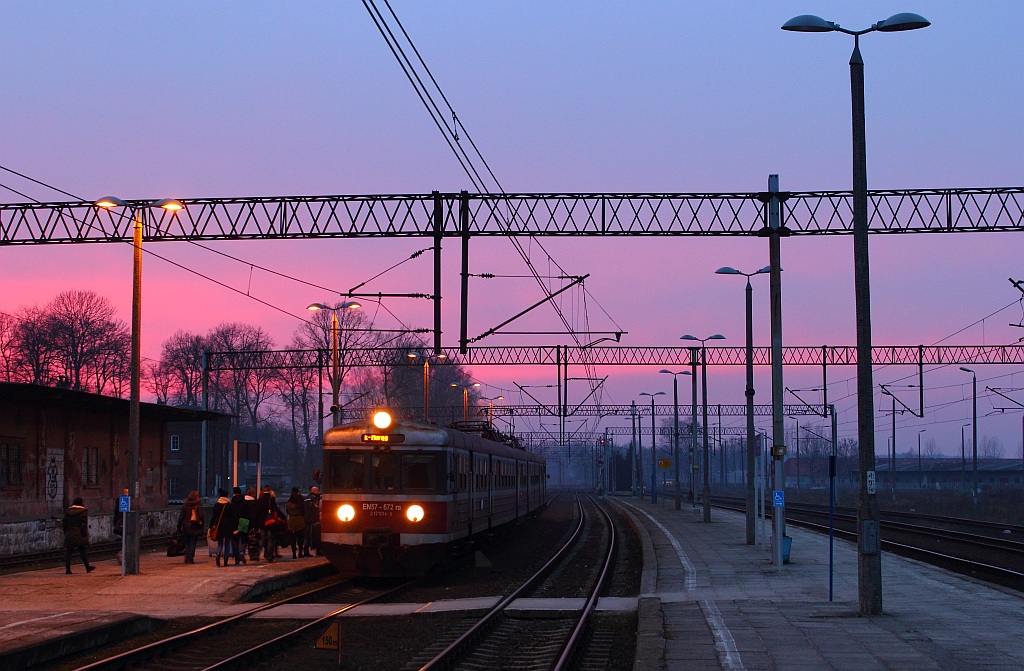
x=420, y=434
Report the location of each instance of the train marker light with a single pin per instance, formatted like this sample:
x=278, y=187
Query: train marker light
x=346, y=513
x=381, y=420
x=414, y=513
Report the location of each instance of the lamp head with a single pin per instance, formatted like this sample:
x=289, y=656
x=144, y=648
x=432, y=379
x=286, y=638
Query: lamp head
x=967, y=370
x=717, y=336
x=169, y=204
x=808, y=23
x=350, y=305
x=726, y=270
x=902, y=21
x=766, y=269
x=317, y=306
x=688, y=337
x=108, y=202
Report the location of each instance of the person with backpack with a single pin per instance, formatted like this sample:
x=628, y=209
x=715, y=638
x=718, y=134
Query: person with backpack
x=191, y=524
x=76, y=534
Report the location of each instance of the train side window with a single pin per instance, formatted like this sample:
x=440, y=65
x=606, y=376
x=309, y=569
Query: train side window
x=382, y=471
x=345, y=471
x=419, y=472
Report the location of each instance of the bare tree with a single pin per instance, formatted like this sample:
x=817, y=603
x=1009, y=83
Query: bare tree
x=84, y=333
x=35, y=354
x=990, y=447
x=180, y=372
x=8, y=350
x=931, y=449
x=247, y=386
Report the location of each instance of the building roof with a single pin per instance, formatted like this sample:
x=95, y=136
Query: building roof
x=54, y=397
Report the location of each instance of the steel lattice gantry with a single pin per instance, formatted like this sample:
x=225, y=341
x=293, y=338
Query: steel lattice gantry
x=463, y=214
x=632, y=356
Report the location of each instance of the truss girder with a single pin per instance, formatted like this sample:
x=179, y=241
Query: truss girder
x=636, y=214
x=632, y=356
x=624, y=410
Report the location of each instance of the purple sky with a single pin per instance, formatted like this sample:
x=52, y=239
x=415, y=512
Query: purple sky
x=190, y=99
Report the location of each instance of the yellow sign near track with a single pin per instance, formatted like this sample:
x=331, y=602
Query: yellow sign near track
x=331, y=638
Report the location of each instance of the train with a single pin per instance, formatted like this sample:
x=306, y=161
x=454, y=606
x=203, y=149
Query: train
x=399, y=497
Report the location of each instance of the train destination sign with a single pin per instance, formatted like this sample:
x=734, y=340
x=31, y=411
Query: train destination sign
x=384, y=438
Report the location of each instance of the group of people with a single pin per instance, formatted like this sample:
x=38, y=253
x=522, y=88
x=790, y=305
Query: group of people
x=246, y=524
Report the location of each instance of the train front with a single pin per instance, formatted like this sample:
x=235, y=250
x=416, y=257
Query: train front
x=386, y=500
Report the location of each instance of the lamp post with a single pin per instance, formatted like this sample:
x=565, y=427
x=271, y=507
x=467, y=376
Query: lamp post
x=654, y=451
x=706, y=484
x=490, y=406
x=869, y=561
x=920, y=471
x=963, y=458
x=675, y=430
x=465, y=398
x=751, y=447
x=974, y=436
x=426, y=379
x=130, y=537
x=335, y=353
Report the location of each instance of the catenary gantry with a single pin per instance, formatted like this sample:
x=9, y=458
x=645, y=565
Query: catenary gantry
x=466, y=215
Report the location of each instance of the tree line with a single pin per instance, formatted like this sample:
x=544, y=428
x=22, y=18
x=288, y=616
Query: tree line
x=76, y=341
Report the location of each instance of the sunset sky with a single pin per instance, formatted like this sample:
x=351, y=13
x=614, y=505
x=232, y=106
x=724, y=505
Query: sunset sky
x=199, y=99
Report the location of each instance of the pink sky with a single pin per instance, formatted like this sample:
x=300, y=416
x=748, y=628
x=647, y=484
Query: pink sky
x=263, y=99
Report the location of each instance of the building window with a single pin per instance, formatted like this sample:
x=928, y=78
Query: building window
x=10, y=464
x=90, y=466
x=175, y=443
x=172, y=487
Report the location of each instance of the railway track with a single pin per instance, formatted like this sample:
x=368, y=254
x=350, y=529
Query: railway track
x=504, y=637
x=242, y=640
x=970, y=547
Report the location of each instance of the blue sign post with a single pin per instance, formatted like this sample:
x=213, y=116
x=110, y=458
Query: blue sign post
x=124, y=506
x=124, y=503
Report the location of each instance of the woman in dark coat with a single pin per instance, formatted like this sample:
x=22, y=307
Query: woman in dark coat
x=252, y=511
x=268, y=510
x=225, y=521
x=296, y=522
x=76, y=534
x=191, y=524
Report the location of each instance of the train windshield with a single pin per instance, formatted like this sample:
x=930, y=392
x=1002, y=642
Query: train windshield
x=345, y=471
x=419, y=472
x=382, y=471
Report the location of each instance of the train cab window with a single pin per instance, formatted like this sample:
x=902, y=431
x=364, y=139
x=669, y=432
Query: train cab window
x=419, y=472
x=382, y=471
x=345, y=471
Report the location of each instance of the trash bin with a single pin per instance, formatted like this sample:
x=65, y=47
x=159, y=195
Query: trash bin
x=787, y=544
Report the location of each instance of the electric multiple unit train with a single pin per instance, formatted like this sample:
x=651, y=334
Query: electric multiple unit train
x=400, y=496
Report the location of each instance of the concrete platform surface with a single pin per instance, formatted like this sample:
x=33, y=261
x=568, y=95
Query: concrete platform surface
x=46, y=613
x=712, y=602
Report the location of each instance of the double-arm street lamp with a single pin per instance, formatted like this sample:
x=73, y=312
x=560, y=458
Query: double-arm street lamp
x=130, y=537
x=705, y=465
x=675, y=430
x=751, y=529
x=654, y=452
x=465, y=397
x=426, y=378
x=335, y=353
x=490, y=406
x=869, y=561
x=974, y=435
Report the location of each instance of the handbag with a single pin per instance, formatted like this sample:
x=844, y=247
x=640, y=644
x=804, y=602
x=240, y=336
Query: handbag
x=176, y=546
x=274, y=521
x=213, y=533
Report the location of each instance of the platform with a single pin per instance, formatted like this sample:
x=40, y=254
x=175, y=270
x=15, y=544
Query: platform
x=46, y=613
x=709, y=601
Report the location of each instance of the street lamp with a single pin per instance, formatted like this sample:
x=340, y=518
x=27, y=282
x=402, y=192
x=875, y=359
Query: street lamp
x=974, y=437
x=654, y=452
x=920, y=471
x=706, y=489
x=130, y=537
x=869, y=559
x=426, y=379
x=335, y=353
x=490, y=406
x=675, y=429
x=751, y=448
x=465, y=398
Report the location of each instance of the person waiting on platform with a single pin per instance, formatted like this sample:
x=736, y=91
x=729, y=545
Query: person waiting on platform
x=223, y=527
x=311, y=511
x=191, y=524
x=76, y=534
x=296, y=522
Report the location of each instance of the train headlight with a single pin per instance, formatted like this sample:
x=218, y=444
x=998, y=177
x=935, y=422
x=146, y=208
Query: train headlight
x=346, y=513
x=414, y=513
x=381, y=420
